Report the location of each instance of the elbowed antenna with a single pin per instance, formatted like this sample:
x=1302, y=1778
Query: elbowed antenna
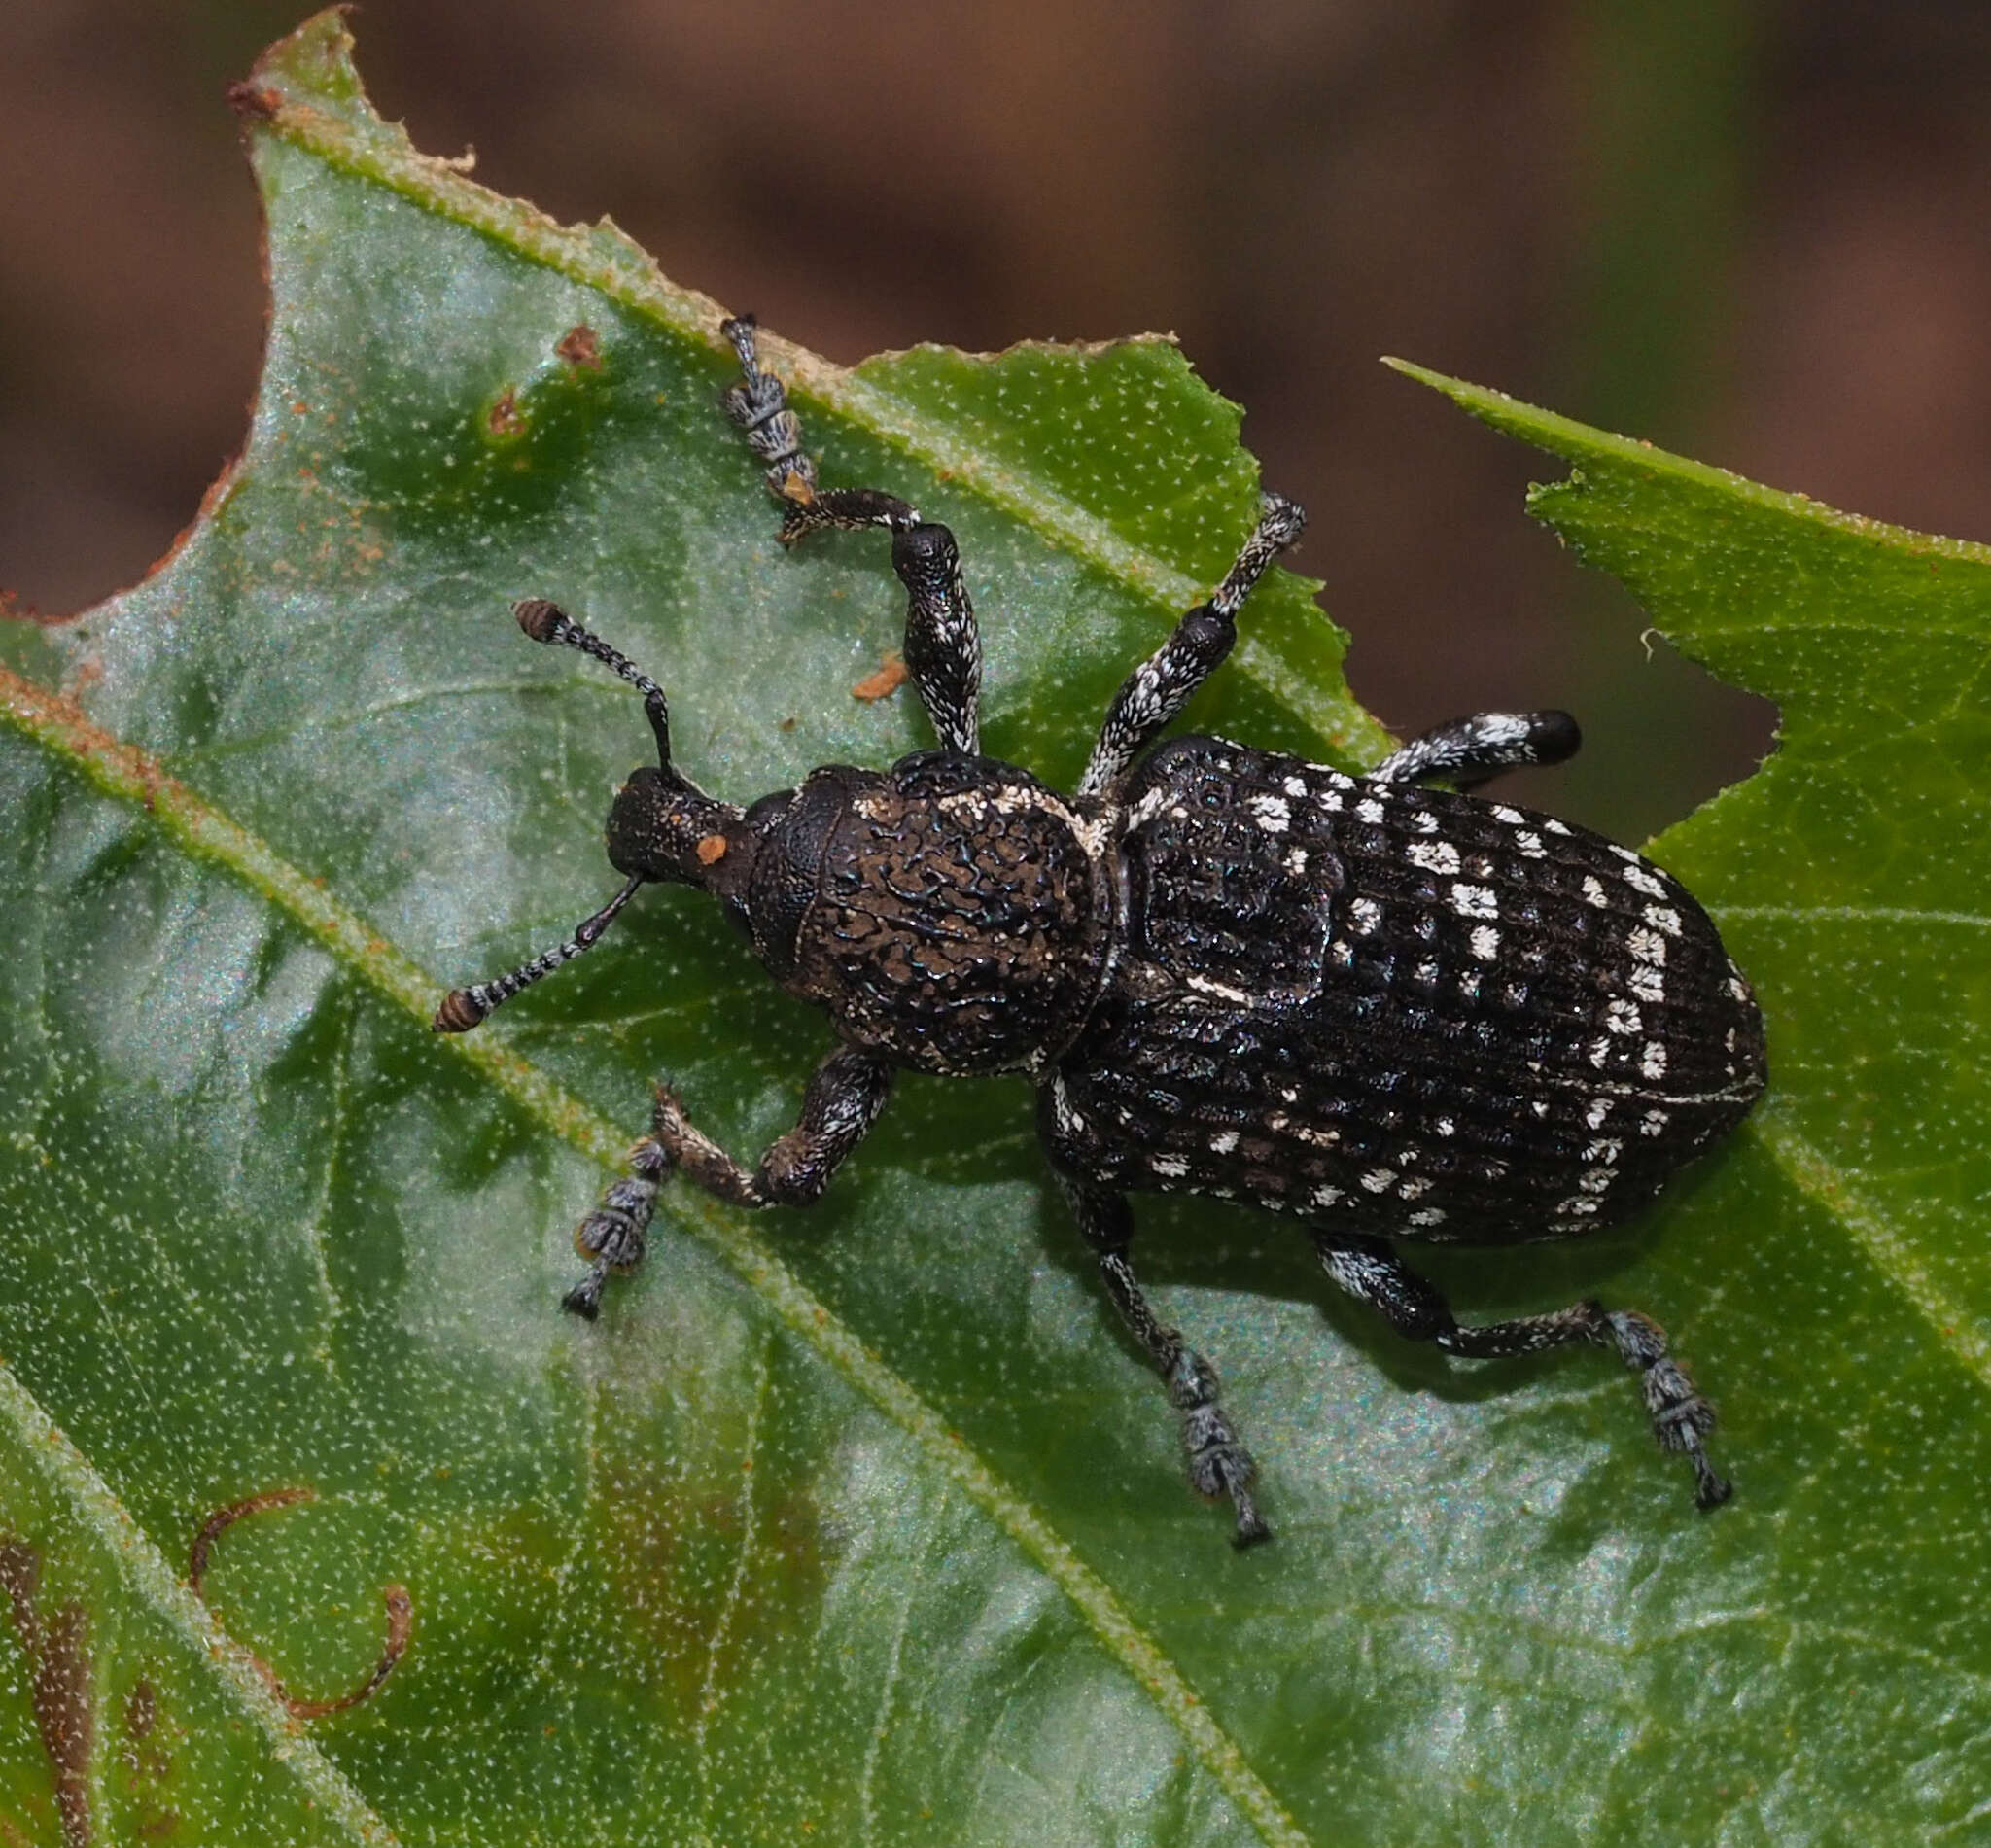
x=547, y=622
x=462, y=1008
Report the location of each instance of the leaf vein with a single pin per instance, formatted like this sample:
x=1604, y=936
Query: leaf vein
x=1955, y=1328
x=123, y=772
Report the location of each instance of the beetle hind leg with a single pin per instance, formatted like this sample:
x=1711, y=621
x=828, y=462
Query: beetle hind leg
x=1219, y=1465
x=1473, y=750
x=1371, y=1272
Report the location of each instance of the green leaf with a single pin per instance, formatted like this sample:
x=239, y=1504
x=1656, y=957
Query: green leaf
x=868, y=1525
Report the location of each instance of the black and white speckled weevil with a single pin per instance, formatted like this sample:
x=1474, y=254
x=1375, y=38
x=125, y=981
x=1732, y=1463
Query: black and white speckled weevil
x=1396, y=1012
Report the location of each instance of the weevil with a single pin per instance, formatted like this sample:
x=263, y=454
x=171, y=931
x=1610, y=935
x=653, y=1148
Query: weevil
x=1392, y=1011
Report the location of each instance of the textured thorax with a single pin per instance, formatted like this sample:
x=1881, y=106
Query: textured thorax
x=961, y=918
x=1397, y=1009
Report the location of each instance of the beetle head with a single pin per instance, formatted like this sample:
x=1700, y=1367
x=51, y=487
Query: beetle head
x=662, y=827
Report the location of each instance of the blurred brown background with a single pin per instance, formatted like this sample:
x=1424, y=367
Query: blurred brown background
x=1755, y=232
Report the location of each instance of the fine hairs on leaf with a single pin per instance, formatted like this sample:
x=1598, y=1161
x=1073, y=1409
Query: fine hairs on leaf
x=863, y=1527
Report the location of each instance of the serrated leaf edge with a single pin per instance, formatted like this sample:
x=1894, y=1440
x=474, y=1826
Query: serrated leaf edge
x=307, y=112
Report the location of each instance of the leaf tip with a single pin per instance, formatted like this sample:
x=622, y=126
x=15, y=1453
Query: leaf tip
x=311, y=65
x=1483, y=401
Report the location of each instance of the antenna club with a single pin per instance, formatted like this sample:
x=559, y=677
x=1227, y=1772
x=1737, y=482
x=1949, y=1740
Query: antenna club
x=458, y=1013
x=543, y=621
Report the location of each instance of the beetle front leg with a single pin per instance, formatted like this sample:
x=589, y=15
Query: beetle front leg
x=845, y=1094
x=943, y=644
x=1370, y=1271
x=1218, y=1464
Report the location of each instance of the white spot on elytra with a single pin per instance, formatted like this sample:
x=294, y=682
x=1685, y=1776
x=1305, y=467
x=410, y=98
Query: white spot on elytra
x=1654, y=1122
x=1474, y=902
x=1601, y=1109
x=1486, y=942
x=1444, y=1126
x=1365, y=915
x=1593, y=891
x=1653, y=1062
x=1296, y=861
x=1661, y=919
x=1646, y=946
x=1555, y=827
x=1605, y=1152
x=1427, y=973
x=1369, y=810
x=1296, y=789
x=1428, y=1216
x=1530, y=845
x=1512, y=817
x=1378, y=1180
x=1169, y=1166
x=1620, y=1017
x=1639, y=880
x=1273, y=816
x=1434, y=856
x=1224, y=1143
x=1414, y=1188
x=1325, y=1195
x=1647, y=983
x=1425, y=821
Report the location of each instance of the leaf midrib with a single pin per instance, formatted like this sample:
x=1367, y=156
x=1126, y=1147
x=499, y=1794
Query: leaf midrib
x=383, y=154
x=125, y=773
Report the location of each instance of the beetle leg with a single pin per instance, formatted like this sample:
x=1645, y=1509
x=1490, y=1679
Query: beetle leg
x=1159, y=688
x=1218, y=1464
x=1470, y=750
x=845, y=1094
x=1371, y=1272
x=943, y=644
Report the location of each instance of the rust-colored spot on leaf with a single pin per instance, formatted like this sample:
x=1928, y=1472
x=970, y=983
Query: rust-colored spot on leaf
x=580, y=346
x=400, y=1624
x=503, y=417
x=712, y=849
x=15, y=608
x=65, y=1716
x=889, y=678
x=222, y=1519
x=253, y=102
x=400, y=1610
